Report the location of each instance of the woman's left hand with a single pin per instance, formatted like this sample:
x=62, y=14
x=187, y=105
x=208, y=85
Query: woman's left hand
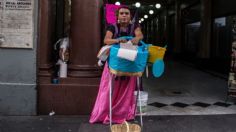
x=135, y=41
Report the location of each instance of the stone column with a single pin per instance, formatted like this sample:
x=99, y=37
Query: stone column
x=45, y=38
x=85, y=38
x=166, y=26
x=206, y=29
x=159, y=28
x=76, y=94
x=178, y=27
x=155, y=30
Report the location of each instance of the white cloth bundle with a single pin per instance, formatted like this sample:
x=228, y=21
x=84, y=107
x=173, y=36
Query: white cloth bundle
x=104, y=53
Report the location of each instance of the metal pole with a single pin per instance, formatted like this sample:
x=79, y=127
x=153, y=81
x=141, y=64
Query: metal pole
x=139, y=97
x=110, y=98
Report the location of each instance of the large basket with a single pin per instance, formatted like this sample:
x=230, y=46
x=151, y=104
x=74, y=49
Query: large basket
x=123, y=67
x=125, y=127
x=156, y=52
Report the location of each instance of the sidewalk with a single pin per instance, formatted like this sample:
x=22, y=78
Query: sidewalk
x=201, y=123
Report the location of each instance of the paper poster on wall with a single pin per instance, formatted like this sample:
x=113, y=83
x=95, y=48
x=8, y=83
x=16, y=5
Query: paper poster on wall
x=16, y=23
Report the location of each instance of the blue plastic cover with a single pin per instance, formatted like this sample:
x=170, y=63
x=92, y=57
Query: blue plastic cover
x=158, y=68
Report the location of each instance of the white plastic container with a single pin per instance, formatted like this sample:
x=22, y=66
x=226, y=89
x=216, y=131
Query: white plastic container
x=63, y=70
x=142, y=101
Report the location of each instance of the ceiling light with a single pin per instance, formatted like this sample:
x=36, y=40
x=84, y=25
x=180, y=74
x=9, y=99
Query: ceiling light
x=151, y=12
x=146, y=16
x=158, y=6
x=142, y=19
x=137, y=4
x=117, y=3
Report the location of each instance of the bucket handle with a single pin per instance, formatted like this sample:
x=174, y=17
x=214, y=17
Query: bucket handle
x=126, y=124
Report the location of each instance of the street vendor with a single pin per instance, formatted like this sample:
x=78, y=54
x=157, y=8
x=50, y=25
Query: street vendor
x=123, y=102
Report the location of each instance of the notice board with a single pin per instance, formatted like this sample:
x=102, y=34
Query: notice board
x=16, y=23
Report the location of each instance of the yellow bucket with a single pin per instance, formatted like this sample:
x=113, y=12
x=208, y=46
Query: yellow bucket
x=156, y=52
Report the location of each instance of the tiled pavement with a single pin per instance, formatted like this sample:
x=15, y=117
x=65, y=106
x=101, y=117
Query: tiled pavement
x=184, y=90
x=197, y=108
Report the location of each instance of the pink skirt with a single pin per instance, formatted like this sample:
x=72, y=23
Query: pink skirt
x=123, y=102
